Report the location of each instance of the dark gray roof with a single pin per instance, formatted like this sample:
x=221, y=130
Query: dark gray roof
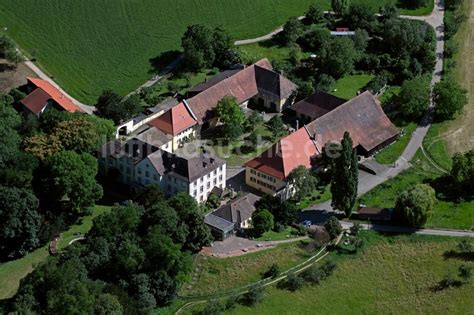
x=239, y=209
x=194, y=167
x=133, y=148
x=273, y=82
x=218, y=223
x=318, y=104
x=213, y=81
x=154, y=136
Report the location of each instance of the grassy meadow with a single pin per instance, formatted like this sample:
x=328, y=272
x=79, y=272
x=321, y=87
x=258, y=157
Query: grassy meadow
x=89, y=45
x=214, y=275
x=391, y=275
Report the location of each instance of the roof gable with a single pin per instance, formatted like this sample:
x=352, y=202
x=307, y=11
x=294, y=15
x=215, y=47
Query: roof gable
x=317, y=105
x=62, y=100
x=175, y=120
x=36, y=101
x=287, y=154
x=362, y=116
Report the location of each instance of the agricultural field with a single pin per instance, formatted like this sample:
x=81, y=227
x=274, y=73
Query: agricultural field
x=377, y=281
x=87, y=46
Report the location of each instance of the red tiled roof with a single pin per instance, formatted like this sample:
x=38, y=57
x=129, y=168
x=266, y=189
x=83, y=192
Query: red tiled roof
x=287, y=154
x=362, y=116
x=56, y=95
x=36, y=101
x=243, y=85
x=175, y=120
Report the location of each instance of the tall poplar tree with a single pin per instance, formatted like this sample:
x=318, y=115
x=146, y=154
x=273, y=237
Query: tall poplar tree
x=345, y=177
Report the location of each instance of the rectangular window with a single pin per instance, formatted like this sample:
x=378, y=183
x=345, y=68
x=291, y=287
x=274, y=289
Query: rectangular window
x=201, y=189
x=147, y=174
x=139, y=170
x=208, y=185
x=215, y=182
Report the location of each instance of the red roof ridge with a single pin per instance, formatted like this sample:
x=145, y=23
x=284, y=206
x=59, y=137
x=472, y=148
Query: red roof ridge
x=59, y=97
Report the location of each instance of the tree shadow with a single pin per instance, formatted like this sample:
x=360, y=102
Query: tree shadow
x=163, y=60
x=465, y=256
x=447, y=190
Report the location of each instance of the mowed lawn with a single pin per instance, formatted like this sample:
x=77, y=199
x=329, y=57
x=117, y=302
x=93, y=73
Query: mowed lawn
x=13, y=271
x=394, y=276
x=90, y=45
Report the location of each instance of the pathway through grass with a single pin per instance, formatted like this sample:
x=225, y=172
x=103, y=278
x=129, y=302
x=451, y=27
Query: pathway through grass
x=13, y=271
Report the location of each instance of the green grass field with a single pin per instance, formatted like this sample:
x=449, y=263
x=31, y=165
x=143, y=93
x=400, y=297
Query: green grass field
x=13, y=271
x=447, y=214
x=348, y=86
x=89, y=45
x=391, y=153
x=393, y=276
x=217, y=274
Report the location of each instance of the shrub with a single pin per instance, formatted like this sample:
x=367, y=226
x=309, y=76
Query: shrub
x=272, y=272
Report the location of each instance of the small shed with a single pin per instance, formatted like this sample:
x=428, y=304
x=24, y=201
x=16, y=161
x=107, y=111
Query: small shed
x=220, y=228
x=374, y=214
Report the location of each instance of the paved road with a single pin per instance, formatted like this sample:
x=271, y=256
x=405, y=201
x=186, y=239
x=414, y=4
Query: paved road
x=401, y=229
x=366, y=183
x=87, y=108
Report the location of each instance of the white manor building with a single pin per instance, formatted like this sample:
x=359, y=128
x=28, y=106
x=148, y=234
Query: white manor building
x=138, y=164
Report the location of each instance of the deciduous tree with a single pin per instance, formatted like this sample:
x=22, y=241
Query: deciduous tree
x=262, y=221
x=414, y=205
x=302, y=182
x=19, y=222
x=449, y=98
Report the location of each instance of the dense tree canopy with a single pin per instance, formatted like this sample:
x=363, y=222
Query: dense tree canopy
x=129, y=262
x=111, y=106
x=315, y=14
x=340, y=7
x=19, y=222
x=449, y=98
x=262, y=221
x=414, y=205
x=284, y=213
x=338, y=56
x=414, y=98
x=204, y=47
x=292, y=30
x=302, y=182
x=71, y=176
